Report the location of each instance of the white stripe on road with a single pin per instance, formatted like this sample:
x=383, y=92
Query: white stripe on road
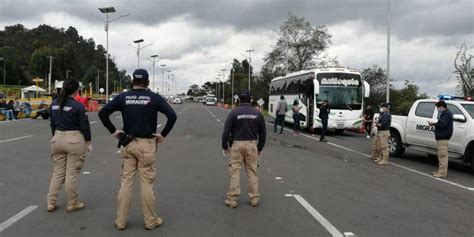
x=93, y=122
x=17, y=138
x=16, y=217
x=397, y=165
x=218, y=120
x=118, y=117
x=159, y=125
x=320, y=218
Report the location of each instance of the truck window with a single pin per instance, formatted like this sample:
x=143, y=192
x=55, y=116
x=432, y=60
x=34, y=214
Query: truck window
x=454, y=109
x=425, y=109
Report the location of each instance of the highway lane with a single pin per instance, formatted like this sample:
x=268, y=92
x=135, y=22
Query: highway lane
x=349, y=191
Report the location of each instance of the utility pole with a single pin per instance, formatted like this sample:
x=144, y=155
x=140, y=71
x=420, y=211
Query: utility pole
x=50, y=71
x=388, y=52
x=97, y=82
x=163, y=78
x=4, y=68
x=154, y=57
x=250, y=61
x=232, y=75
x=67, y=73
x=223, y=85
x=169, y=85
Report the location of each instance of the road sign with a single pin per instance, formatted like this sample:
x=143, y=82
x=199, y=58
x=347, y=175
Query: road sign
x=37, y=80
x=101, y=90
x=261, y=102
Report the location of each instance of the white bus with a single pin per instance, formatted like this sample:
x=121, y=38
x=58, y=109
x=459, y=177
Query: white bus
x=343, y=88
x=210, y=100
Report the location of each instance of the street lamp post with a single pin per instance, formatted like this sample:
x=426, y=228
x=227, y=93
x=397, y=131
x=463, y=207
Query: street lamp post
x=168, y=71
x=250, y=61
x=138, y=41
x=232, y=94
x=4, y=68
x=218, y=88
x=223, y=85
x=154, y=57
x=50, y=72
x=163, y=78
x=107, y=11
x=173, y=84
x=388, y=52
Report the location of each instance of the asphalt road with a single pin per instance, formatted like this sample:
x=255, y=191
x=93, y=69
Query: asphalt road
x=308, y=188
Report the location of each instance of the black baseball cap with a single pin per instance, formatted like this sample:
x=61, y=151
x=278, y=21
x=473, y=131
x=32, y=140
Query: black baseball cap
x=245, y=94
x=140, y=76
x=384, y=105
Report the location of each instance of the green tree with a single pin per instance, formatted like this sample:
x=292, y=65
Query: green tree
x=302, y=42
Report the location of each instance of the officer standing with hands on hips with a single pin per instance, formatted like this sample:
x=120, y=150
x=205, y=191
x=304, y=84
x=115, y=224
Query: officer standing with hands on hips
x=71, y=140
x=139, y=143
x=381, y=155
x=443, y=132
x=243, y=140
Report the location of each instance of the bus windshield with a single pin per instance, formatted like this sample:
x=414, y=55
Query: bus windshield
x=348, y=98
x=342, y=90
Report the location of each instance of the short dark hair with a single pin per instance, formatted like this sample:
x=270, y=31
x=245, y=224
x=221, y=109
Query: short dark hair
x=282, y=97
x=441, y=103
x=245, y=99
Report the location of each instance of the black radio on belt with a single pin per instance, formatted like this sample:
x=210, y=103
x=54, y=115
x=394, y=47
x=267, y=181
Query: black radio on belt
x=125, y=139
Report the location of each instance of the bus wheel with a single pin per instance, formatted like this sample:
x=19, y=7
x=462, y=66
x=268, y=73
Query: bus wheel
x=339, y=131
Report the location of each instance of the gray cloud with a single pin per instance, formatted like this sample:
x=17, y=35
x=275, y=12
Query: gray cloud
x=410, y=18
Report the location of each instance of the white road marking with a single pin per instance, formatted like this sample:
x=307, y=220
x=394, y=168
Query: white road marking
x=349, y=234
x=288, y=195
x=159, y=125
x=396, y=165
x=118, y=117
x=17, y=217
x=320, y=218
x=277, y=178
x=218, y=120
x=86, y=172
x=93, y=122
x=17, y=138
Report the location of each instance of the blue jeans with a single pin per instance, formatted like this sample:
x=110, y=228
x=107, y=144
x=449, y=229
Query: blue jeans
x=8, y=114
x=279, y=120
x=296, y=123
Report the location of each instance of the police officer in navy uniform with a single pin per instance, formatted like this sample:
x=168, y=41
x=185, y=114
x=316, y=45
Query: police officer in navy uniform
x=443, y=132
x=381, y=153
x=139, y=108
x=243, y=139
x=71, y=140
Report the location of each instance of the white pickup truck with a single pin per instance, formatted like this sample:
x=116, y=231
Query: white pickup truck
x=414, y=132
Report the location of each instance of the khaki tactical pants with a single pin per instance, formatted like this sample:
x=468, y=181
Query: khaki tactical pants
x=443, y=156
x=380, y=153
x=243, y=153
x=376, y=152
x=68, y=152
x=138, y=155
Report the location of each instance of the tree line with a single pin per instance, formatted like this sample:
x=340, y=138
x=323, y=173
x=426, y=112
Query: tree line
x=27, y=53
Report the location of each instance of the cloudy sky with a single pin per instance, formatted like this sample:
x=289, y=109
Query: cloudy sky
x=198, y=38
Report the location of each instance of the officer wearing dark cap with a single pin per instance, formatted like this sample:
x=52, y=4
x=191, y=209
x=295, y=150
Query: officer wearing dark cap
x=243, y=139
x=443, y=132
x=380, y=154
x=139, y=143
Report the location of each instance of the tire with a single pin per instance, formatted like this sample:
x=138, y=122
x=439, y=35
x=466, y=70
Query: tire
x=339, y=131
x=395, y=145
